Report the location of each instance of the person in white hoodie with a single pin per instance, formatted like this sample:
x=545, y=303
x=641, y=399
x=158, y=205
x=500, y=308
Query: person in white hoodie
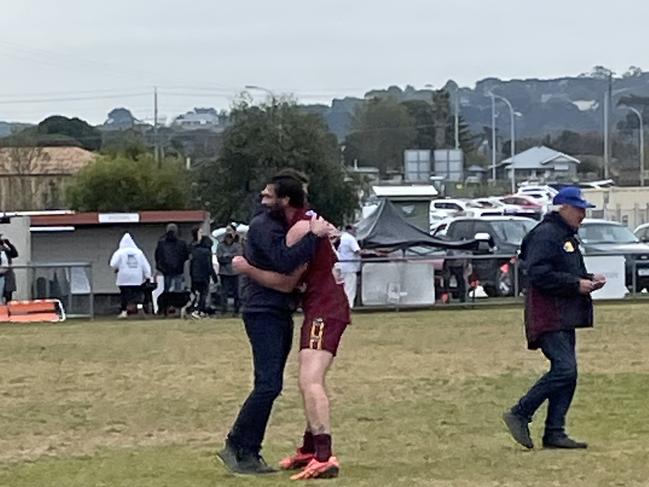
x=133, y=269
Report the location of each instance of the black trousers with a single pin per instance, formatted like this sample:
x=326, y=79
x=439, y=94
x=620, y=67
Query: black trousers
x=130, y=295
x=201, y=290
x=270, y=337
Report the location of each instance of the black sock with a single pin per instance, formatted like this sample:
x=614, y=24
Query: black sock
x=308, y=446
x=322, y=447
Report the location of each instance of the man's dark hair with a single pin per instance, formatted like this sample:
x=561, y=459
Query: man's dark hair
x=293, y=173
x=291, y=188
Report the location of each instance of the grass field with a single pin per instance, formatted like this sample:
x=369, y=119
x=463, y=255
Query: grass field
x=417, y=400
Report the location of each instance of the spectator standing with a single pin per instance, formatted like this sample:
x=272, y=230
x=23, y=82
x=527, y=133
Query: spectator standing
x=349, y=254
x=225, y=252
x=133, y=269
x=7, y=276
x=171, y=253
x=200, y=271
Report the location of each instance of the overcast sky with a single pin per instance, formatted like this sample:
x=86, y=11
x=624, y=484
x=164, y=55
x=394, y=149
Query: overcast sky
x=84, y=57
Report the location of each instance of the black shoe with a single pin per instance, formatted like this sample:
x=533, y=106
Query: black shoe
x=254, y=464
x=517, y=426
x=229, y=456
x=240, y=461
x=563, y=442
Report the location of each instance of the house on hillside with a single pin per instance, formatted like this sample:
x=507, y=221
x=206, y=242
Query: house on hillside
x=200, y=118
x=34, y=178
x=539, y=163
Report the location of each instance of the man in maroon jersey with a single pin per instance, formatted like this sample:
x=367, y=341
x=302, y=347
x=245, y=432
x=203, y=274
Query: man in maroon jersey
x=326, y=315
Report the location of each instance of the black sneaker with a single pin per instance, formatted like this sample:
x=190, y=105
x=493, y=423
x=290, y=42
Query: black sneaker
x=240, y=461
x=229, y=456
x=520, y=431
x=254, y=464
x=563, y=442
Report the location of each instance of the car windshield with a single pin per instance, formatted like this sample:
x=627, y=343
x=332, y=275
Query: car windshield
x=512, y=231
x=606, y=233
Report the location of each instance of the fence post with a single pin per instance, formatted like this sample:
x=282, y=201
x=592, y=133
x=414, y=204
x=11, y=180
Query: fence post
x=92, y=293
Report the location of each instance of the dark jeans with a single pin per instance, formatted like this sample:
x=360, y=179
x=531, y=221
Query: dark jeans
x=130, y=295
x=270, y=337
x=174, y=283
x=201, y=290
x=557, y=386
x=229, y=287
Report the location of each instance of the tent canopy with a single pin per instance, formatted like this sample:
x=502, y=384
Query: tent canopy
x=386, y=228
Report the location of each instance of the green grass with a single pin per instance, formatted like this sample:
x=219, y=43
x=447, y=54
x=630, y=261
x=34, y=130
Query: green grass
x=417, y=399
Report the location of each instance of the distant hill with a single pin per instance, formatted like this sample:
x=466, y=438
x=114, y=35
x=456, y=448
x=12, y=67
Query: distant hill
x=545, y=106
x=8, y=128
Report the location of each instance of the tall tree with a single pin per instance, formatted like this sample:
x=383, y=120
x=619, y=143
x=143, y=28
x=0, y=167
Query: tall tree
x=262, y=140
x=382, y=130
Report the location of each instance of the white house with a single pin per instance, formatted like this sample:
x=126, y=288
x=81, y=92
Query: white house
x=540, y=163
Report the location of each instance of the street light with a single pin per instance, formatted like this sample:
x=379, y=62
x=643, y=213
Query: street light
x=512, y=128
x=640, y=119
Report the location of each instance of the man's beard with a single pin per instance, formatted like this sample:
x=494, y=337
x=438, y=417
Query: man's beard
x=276, y=211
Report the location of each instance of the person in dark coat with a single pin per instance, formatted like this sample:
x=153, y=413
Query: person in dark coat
x=171, y=253
x=557, y=301
x=201, y=270
x=7, y=277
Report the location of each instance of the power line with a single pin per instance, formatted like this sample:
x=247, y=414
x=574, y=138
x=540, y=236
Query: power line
x=74, y=98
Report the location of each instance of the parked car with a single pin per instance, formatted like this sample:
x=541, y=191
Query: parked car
x=602, y=236
x=528, y=205
x=444, y=208
x=642, y=232
x=506, y=234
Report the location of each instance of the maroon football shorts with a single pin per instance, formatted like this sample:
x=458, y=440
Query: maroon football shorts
x=319, y=334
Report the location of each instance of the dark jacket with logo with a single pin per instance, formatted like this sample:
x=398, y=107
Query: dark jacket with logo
x=554, y=265
x=266, y=249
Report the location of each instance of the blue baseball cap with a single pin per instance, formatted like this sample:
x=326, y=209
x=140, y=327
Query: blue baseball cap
x=571, y=195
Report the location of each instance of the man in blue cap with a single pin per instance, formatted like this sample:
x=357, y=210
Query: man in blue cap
x=557, y=301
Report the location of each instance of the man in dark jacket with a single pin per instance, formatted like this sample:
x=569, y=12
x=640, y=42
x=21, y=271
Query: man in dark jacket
x=201, y=270
x=557, y=301
x=171, y=253
x=267, y=316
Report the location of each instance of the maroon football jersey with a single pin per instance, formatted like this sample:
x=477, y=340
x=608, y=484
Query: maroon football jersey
x=324, y=297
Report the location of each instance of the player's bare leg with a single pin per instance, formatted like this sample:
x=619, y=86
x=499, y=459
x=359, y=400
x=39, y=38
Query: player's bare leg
x=314, y=365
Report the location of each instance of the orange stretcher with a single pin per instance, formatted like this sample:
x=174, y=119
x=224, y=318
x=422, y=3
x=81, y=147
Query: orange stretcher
x=38, y=310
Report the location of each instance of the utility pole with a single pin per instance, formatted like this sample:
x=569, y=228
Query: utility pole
x=456, y=119
x=607, y=101
x=156, y=146
x=493, y=137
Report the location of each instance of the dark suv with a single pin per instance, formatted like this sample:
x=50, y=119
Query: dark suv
x=505, y=237
x=602, y=236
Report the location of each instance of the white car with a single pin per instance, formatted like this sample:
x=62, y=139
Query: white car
x=444, y=208
x=642, y=232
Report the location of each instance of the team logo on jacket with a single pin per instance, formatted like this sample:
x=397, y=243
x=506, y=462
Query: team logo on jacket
x=568, y=247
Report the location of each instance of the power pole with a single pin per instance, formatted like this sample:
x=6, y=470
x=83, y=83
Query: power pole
x=607, y=105
x=156, y=146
